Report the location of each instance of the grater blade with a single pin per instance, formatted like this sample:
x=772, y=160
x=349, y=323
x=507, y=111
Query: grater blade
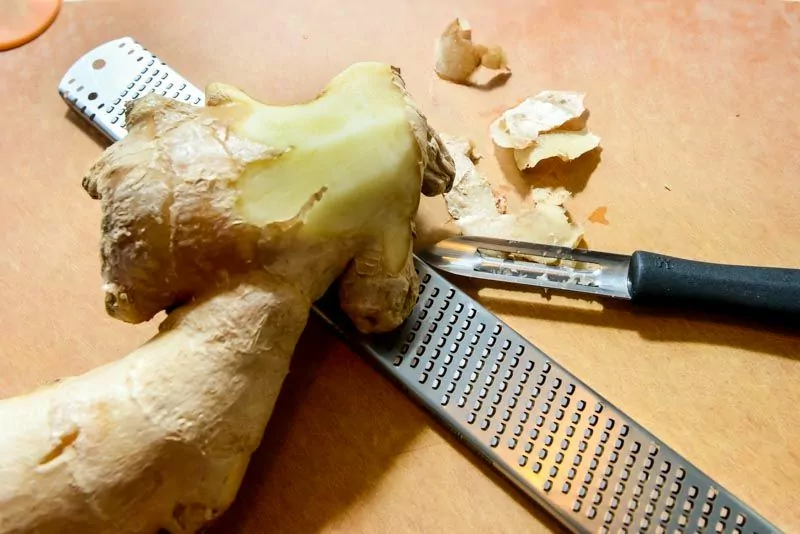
x=561, y=443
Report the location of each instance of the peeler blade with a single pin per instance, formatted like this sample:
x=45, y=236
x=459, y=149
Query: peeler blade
x=532, y=264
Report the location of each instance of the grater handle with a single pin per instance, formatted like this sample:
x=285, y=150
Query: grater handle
x=657, y=279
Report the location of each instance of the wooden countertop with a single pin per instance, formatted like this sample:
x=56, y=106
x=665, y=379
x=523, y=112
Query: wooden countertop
x=697, y=106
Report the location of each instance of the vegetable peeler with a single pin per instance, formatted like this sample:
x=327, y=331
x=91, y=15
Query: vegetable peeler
x=564, y=445
x=643, y=277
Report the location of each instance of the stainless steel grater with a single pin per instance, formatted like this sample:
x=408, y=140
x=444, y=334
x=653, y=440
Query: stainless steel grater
x=566, y=447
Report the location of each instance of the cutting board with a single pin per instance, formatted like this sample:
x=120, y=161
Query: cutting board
x=697, y=106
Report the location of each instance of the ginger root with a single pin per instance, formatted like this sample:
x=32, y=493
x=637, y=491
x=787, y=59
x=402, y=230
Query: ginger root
x=234, y=217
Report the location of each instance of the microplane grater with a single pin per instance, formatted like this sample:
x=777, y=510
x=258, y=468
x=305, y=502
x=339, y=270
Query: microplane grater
x=561, y=443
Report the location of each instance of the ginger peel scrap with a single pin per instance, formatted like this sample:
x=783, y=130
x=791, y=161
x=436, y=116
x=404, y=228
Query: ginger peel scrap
x=458, y=57
x=478, y=211
x=551, y=124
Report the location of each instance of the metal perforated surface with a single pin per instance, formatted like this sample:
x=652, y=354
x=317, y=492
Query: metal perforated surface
x=98, y=84
x=552, y=435
x=560, y=442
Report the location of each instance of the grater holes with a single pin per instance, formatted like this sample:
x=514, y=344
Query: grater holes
x=740, y=520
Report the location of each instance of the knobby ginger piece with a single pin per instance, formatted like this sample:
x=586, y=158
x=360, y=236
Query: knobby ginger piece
x=565, y=145
x=457, y=57
x=549, y=124
x=477, y=210
x=235, y=216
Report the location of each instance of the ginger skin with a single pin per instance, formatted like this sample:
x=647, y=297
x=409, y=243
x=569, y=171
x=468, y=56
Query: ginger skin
x=235, y=217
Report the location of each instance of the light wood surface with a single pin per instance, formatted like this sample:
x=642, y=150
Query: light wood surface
x=697, y=106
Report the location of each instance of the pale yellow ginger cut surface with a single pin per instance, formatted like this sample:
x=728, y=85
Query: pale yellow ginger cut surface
x=478, y=211
x=234, y=217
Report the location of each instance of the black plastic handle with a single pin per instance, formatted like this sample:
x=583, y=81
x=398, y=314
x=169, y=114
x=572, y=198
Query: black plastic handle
x=659, y=279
